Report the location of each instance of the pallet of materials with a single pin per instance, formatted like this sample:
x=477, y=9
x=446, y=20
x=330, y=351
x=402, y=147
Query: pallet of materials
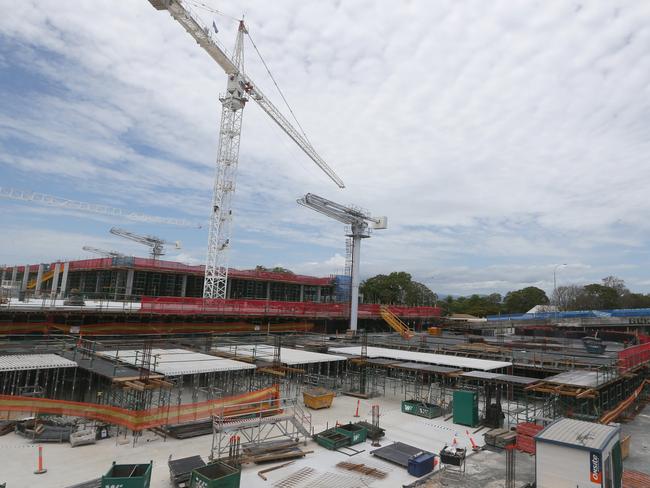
x=500, y=437
x=272, y=451
x=83, y=437
x=526, y=432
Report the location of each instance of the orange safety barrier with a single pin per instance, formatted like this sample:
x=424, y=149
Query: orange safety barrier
x=613, y=414
x=247, y=403
x=158, y=328
x=266, y=308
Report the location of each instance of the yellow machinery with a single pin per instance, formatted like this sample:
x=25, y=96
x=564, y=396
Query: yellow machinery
x=396, y=323
x=46, y=276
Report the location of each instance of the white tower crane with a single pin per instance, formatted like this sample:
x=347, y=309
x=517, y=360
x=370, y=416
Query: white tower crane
x=103, y=252
x=96, y=208
x=155, y=243
x=360, y=223
x=239, y=89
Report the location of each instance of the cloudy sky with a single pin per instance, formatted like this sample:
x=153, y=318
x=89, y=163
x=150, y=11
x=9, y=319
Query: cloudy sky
x=500, y=138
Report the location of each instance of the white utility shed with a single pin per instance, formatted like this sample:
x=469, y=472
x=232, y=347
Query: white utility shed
x=577, y=454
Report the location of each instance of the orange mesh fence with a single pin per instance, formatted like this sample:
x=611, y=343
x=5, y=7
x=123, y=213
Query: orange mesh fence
x=112, y=328
x=264, y=400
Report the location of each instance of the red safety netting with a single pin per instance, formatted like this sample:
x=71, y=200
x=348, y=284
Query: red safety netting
x=631, y=357
x=263, y=308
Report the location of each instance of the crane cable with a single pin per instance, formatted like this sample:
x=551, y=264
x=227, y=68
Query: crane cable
x=278, y=87
x=206, y=7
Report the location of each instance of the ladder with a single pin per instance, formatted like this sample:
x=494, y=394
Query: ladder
x=395, y=322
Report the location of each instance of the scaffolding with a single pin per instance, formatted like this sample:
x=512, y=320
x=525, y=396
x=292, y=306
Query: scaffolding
x=284, y=419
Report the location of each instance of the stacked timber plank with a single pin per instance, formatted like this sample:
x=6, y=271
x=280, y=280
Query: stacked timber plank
x=272, y=451
x=500, y=437
x=526, y=432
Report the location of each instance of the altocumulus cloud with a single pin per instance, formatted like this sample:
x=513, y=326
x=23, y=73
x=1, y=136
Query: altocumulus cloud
x=500, y=138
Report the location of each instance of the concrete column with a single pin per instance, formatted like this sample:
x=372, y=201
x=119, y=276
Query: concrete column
x=302, y=293
x=55, y=280
x=23, y=286
x=98, y=282
x=228, y=287
x=82, y=282
x=268, y=290
x=2, y=278
x=184, y=286
x=318, y=294
x=39, y=279
x=64, y=280
x=14, y=274
x=129, y=283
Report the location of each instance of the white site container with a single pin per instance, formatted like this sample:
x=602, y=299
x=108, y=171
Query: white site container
x=577, y=454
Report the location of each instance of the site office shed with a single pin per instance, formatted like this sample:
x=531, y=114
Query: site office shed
x=576, y=454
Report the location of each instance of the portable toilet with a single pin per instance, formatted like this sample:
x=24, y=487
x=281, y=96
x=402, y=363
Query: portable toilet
x=577, y=454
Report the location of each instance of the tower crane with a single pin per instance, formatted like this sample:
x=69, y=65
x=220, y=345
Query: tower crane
x=360, y=223
x=239, y=89
x=96, y=208
x=155, y=243
x=103, y=252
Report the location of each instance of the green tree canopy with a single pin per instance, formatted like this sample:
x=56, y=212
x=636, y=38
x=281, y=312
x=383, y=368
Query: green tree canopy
x=397, y=288
x=521, y=301
x=276, y=269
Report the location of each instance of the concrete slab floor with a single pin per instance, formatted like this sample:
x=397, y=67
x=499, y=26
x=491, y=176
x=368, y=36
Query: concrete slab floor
x=639, y=430
x=487, y=469
x=67, y=465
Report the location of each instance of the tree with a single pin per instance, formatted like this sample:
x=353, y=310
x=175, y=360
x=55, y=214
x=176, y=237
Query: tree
x=276, y=269
x=520, y=301
x=397, y=288
x=568, y=297
x=601, y=297
x=616, y=284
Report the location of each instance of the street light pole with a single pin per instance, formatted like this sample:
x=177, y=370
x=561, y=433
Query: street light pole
x=555, y=285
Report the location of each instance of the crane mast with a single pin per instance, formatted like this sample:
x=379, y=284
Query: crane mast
x=359, y=222
x=239, y=89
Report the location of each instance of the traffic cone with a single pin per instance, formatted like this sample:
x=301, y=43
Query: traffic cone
x=471, y=439
x=356, y=414
x=40, y=469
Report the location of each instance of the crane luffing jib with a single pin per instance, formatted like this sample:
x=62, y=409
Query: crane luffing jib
x=203, y=38
x=95, y=208
x=358, y=220
x=103, y=252
x=155, y=243
x=336, y=211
